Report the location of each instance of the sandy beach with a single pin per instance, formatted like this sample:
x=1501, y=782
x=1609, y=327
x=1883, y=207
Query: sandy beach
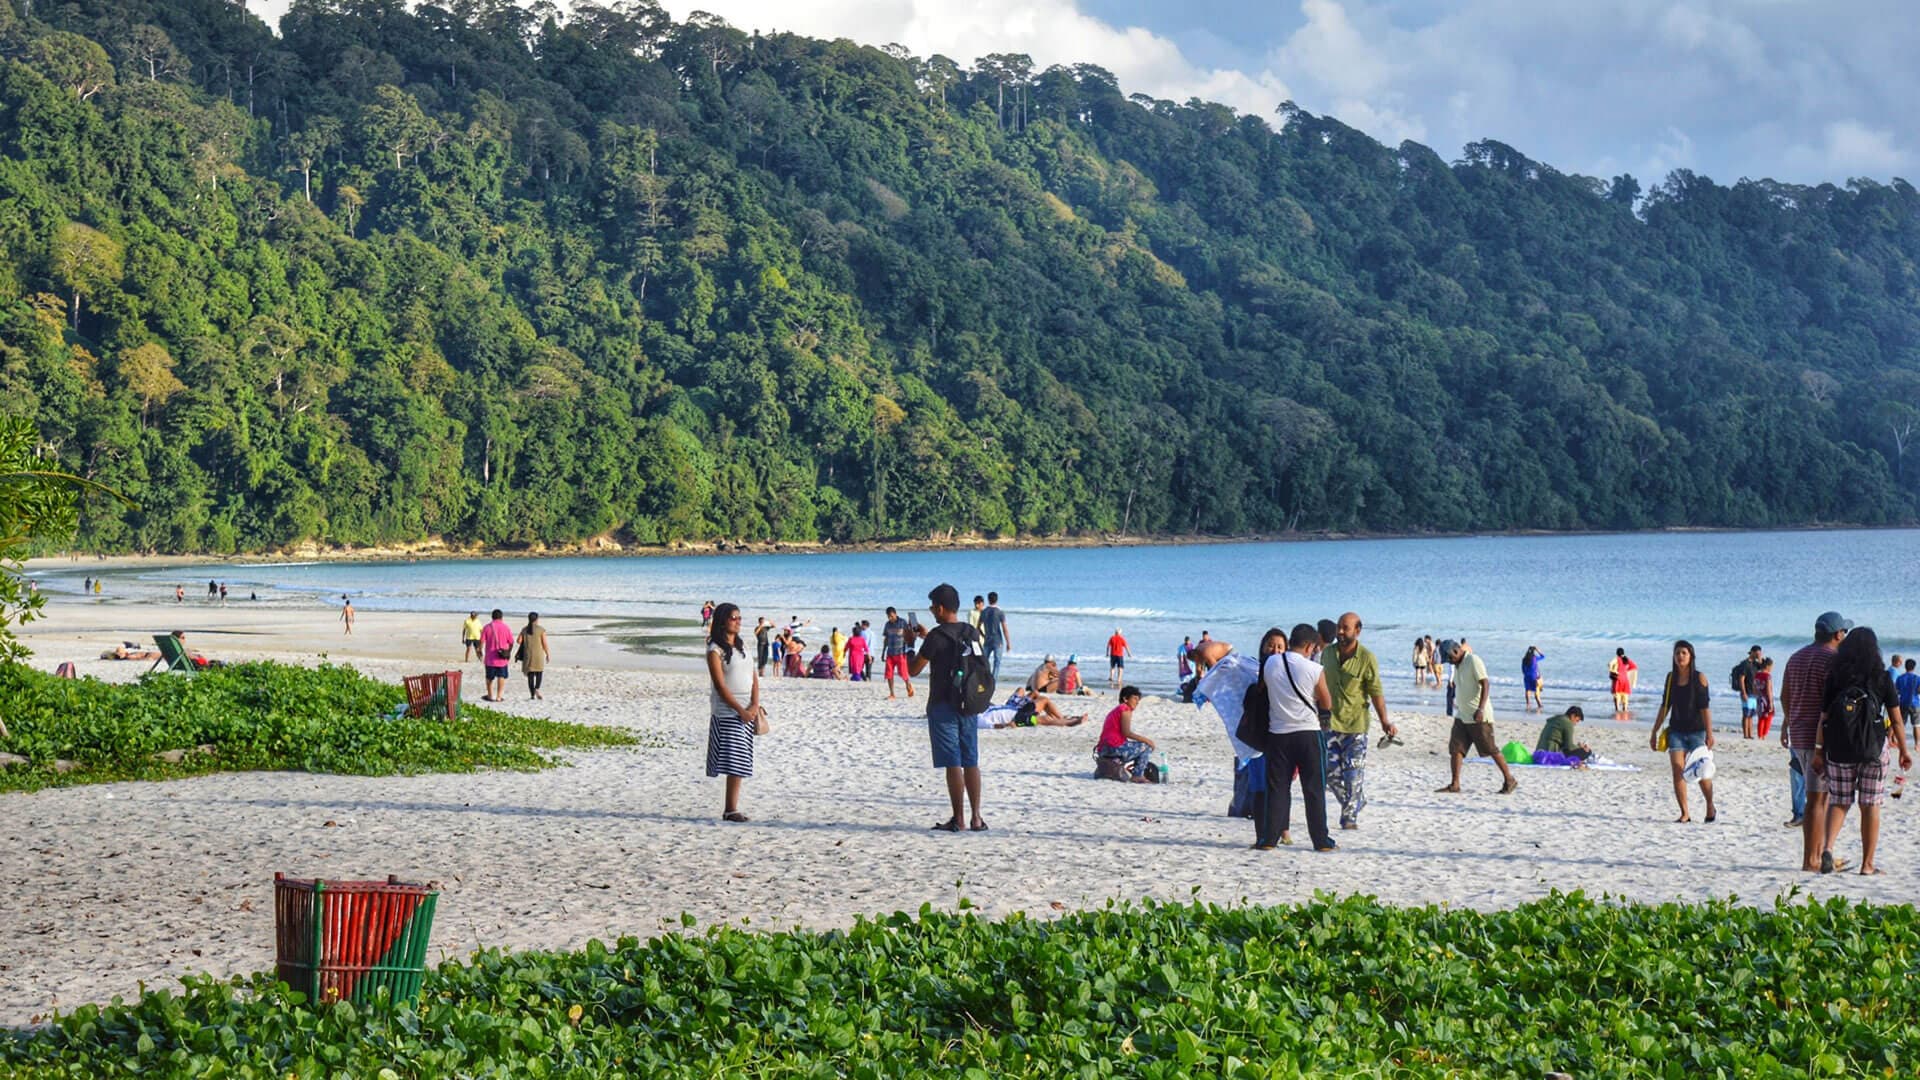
x=113, y=886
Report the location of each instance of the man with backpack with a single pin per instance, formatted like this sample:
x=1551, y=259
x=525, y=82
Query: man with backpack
x=1803, y=696
x=1746, y=686
x=958, y=689
x=1861, y=713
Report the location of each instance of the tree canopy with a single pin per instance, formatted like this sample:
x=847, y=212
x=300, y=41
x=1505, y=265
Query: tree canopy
x=508, y=276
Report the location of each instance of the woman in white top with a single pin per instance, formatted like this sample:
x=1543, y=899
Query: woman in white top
x=735, y=706
x=1296, y=700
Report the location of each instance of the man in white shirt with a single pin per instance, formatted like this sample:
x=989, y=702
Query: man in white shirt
x=1473, y=723
x=1297, y=698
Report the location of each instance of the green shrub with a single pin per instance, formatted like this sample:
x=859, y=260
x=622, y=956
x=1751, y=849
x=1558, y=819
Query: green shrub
x=1336, y=987
x=255, y=716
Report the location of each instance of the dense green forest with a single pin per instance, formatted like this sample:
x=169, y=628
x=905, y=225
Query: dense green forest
x=508, y=276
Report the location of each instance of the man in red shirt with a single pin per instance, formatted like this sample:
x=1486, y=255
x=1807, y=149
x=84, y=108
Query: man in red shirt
x=1803, y=690
x=1117, y=653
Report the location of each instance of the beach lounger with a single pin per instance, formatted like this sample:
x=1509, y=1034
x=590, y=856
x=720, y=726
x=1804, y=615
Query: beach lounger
x=173, y=653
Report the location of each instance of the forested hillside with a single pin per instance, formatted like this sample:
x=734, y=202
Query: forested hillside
x=509, y=277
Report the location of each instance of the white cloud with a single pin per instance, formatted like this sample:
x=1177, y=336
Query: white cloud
x=1796, y=91
x=1050, y=31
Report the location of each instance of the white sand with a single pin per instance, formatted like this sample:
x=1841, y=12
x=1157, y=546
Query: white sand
x=110, y=886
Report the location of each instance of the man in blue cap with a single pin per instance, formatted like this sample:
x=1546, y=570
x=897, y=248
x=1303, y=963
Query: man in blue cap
x=1803, y=696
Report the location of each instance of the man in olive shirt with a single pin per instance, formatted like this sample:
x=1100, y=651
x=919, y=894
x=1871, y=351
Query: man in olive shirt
x=1353, y=680
x=1473, y=723
x=1558, y=737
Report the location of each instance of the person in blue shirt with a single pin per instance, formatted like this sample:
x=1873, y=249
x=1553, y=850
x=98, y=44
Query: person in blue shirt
x=1530, y=675
x=1908, y=686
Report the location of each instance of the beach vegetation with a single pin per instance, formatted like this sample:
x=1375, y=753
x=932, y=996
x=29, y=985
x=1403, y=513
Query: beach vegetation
x=37, y=505
x=1336, y=987
x=325, y=719
x=399, y=274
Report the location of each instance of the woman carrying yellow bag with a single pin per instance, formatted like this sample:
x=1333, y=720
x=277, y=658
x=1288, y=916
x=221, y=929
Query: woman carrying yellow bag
x=1689, y=724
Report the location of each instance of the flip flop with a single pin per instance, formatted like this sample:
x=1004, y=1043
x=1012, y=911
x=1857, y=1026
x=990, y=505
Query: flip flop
x=949, y=825
x=982, y=827
x=1710, y=818
x=1875, y=872
x=735, y=816
x=1510, y=787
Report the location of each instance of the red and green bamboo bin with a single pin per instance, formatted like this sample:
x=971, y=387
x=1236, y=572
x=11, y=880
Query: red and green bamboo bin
x=348, y=939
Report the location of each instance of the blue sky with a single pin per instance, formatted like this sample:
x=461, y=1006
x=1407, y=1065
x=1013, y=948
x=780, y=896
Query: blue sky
x=1798, y=90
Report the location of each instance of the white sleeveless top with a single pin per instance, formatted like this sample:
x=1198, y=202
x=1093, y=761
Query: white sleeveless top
x=737, y=670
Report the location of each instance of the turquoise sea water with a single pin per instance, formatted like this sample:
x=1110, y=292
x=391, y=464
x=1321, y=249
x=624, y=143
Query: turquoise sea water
x=1575, y=597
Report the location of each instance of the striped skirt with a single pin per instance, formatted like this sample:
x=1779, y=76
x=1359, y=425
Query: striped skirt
x=729, y=747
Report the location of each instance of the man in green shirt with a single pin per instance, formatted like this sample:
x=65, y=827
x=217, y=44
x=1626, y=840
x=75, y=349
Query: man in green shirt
x=1473, y=722
x=1557, y=736
x=1353, y=680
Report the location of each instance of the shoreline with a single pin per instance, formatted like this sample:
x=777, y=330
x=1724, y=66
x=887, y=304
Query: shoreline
x=436, y=550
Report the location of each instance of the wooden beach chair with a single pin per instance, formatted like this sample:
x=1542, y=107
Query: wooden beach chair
x=173, y=653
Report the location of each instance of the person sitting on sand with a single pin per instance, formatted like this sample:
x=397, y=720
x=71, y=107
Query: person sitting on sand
x=1557, y=735
x=1118, y=740
x=1027, y=709
x=1070, y=682
x=1045, y=678
x=823, y=665
x=795, y=651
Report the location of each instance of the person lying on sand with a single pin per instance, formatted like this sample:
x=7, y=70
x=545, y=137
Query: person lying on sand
x=128, y=650
x=1027, y=709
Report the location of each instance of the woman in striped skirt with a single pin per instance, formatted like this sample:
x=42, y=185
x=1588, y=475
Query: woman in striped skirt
x=735, y=706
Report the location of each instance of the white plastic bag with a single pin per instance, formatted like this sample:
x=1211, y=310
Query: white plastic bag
x=1699, y=765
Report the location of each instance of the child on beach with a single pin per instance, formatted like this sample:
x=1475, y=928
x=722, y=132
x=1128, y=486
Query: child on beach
x=1119, y=741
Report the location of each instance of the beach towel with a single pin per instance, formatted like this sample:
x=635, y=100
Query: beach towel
x=1594, y=764
x=1224, y=687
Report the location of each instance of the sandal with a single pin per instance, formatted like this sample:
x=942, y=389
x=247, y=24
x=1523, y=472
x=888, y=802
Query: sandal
x=1874, y=872
x=734, y=815
x=982, y=827
x=949, y=825
x=1710, y=816
x=1510, y=786
x=1831, y=865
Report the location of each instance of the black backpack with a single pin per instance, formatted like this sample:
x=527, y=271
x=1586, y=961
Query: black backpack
x=1856, y=729
x=973, y=675
x=1738, y=670
x=1255, y=715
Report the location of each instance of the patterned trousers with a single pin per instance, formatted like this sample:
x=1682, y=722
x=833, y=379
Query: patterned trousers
x=1347, y=773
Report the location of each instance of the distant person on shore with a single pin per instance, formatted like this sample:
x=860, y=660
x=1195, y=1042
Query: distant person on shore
x=979, y=609
x=955, y=738
x=1684, y=709
x=1907, y=686
x=838, y=642
x=1329, y=631
x=857, y=656
x=470, y=636
x=993, y=630
x=762, y=645
x=866, y=632
x=1027, y=709
x=1893, y=668
x=1803, y=697
x=1117, y=653
x=1353, y=682
x=496, y=652
x=534, y=653
x=223, y=594
x=893, y=638
x=179, y=594
x=1861, y=714
x=706, y=615
x=97, y=587
x=1207, y=653
x=1070, y=681
x=1452, y=687
x=794, y=651
x=734, y=706
x=1557, y=735
x=1474, y=731
x=1748, y=690
x=1763, y=686
x=1622, y=674
x=1183, y=662
x=1530, y=678
x=823, y=666
x=1118, y=740
x=1419, y=661
x=1297, y=697
x=213, y=591
x=346, y=615
x=1433, y=663
x=1045, y=678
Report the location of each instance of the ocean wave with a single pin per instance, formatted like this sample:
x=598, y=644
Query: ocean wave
x=1095, y=612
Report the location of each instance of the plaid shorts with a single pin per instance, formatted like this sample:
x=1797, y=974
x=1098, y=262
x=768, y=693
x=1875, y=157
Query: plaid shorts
x=1863, y=781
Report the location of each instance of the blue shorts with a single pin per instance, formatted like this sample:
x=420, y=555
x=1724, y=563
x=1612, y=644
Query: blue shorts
x=955, y=738
x=1117, y=661
x=498, y=671
x=1748, y=707
x=1685, y=742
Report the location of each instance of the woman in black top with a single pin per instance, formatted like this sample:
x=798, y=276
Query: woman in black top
x=1683, y=708
x=1857, y=663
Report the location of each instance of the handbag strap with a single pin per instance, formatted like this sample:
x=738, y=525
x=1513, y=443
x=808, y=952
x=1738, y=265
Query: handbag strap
x=1287, y=666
